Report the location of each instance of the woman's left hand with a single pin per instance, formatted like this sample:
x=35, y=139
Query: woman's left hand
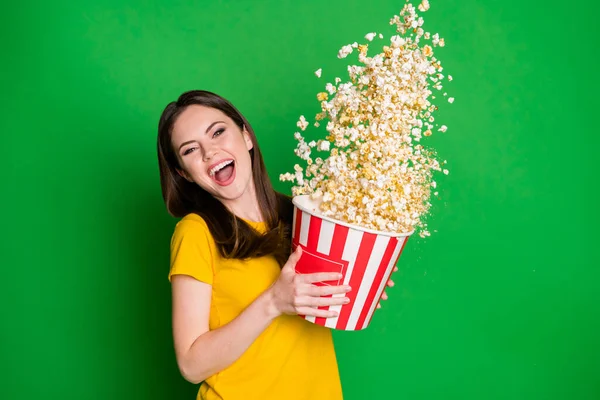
x=390, y=284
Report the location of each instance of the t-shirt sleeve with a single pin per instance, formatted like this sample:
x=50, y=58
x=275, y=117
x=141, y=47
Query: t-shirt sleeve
x=192, y=251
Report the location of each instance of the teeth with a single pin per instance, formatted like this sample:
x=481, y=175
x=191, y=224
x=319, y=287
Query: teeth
x=219, y=167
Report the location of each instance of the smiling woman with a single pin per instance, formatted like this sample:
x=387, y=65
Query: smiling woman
x=197, y=135
x=236, y=294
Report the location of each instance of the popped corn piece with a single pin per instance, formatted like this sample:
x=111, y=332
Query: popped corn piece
x=449, y=77
x=322, y=96
x=424, y=6
x=370, y=36
x=323, y=145
x=318, y=72
x=345, y=51
x=330, y=88
x=443, y=128
x=380, y=36
x=450, y=100
x=302, y=123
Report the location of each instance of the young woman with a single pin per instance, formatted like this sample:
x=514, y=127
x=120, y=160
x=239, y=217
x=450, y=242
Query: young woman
x=235, y=292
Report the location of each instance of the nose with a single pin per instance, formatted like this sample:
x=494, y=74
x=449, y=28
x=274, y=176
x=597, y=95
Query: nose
x=209, y=153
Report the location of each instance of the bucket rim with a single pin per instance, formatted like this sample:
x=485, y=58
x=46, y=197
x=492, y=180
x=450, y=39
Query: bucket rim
x=296, y=201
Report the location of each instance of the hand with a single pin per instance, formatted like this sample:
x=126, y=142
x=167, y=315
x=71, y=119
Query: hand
x=389, y=284
x=295, y=293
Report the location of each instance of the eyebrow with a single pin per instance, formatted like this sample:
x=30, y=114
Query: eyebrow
x=207, y=129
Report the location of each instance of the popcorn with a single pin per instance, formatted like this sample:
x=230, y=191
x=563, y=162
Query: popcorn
x=370, y=36
x=345, y=51
x=318, y=72
x=302, y=123
x=374, y=171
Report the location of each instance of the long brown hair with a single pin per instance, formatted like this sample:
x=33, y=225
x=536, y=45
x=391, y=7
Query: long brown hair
x=233, y=236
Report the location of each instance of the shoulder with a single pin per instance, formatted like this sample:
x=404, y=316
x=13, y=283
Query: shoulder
x=192, y=217
x=191, y=224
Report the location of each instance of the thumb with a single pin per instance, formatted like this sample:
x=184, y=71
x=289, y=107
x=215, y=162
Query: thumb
x=294, y=257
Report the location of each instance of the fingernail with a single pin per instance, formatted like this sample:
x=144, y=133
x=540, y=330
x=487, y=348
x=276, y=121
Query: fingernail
x=339, y=275
x=348, y=288
x=346, y=300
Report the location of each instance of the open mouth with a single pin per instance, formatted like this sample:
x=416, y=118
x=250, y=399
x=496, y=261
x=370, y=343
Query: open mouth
x=223, y=173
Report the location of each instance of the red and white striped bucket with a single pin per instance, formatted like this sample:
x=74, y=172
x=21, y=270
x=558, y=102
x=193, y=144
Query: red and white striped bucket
x=365, y=257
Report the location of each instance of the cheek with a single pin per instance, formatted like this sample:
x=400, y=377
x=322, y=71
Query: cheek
x=194, y=166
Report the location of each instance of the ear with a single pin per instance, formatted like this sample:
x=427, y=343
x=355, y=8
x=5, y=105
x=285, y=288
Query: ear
x=184, y=175
x=248, y=140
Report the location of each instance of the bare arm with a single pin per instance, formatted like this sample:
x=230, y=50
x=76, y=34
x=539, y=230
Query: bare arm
x=201, y=352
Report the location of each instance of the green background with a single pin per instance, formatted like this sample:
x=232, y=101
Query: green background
x=500, y=303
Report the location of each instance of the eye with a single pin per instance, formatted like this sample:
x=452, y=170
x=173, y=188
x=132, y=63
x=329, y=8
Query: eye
x=188, y=151
x=218, y=132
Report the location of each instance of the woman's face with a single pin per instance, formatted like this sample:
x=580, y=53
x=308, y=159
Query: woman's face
x=213, y=152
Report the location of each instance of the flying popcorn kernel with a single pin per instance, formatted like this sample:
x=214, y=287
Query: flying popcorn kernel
x=345, y=51
x=318, y=72
x=302, y=123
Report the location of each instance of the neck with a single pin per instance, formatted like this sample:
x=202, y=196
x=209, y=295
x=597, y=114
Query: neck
x=246, y=206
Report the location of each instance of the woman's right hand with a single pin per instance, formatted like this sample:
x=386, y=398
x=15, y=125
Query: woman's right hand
x=295, y=293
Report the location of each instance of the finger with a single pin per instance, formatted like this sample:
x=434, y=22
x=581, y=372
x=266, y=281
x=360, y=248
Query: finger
x=395, y=269
x=306, y=301
x=391, y=283
x=384, y=296
x=378, y=306
x=321, y=277
x=315, y=312
x=294, y=257
x=327, y=290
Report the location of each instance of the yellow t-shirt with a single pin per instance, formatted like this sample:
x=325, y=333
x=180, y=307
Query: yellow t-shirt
x=292, y=359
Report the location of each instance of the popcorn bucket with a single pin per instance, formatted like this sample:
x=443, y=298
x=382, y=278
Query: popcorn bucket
x=365, y=258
